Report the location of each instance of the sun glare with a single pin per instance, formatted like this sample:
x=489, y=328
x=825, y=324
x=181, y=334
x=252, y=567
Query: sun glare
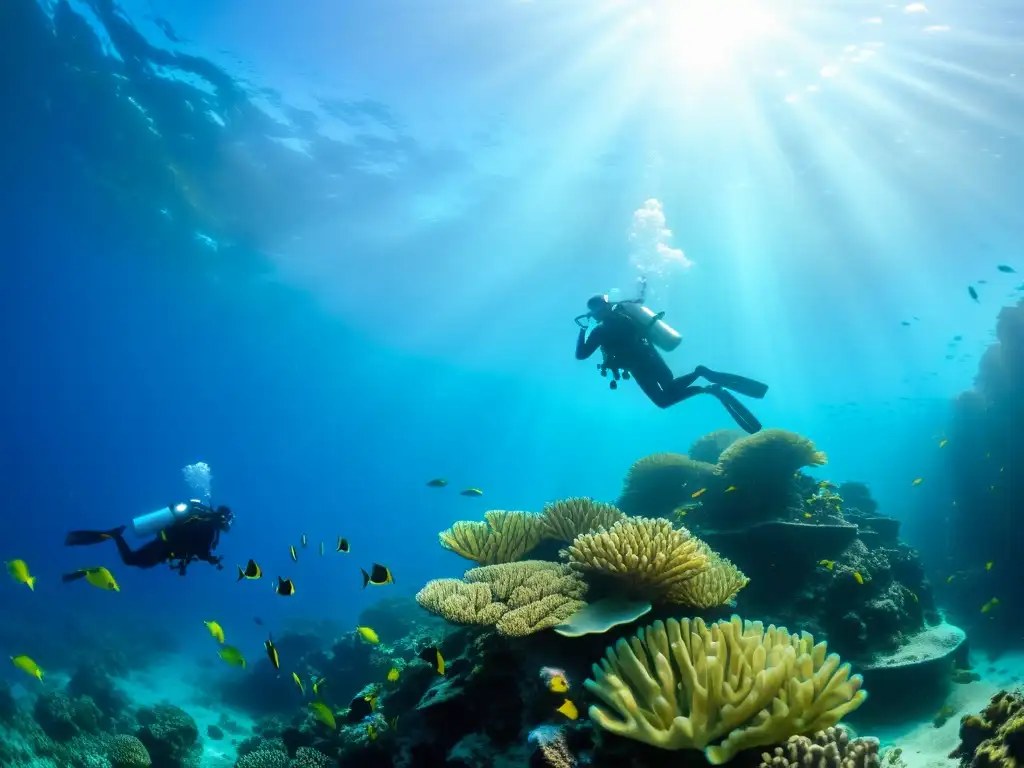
x=707, y=35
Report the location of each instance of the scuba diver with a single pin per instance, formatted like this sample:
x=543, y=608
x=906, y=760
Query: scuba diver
x=628, y=332
x=186, y=533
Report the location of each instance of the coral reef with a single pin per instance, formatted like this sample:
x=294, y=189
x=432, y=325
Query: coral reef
x=830, y=748
x=128, y=752
x=515, y=598
x=567, y=519
x=656, y=485
x=996, y=736
x=708, y=448
x=656, y=561
x=169, y=734
x=722, y=689
x=504, y=537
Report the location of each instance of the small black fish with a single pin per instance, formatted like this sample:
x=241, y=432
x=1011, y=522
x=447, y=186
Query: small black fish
x=272, y=652
x=252, y=571
x=471, y=492
x=972, y=293
x=378, y=576
x=360, y=707
x=437, y=482
x=983, y=282
x=1006, y=268
x=433, y=657
x=342, y=545
x=958, y=338
x=258, y=621
x=905, y=322
x=284, y=587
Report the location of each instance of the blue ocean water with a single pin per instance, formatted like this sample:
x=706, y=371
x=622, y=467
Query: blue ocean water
x=335, y=250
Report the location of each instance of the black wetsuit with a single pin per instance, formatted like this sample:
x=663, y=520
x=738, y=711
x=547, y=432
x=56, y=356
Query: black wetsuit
x=626, y=348
x=178, y=545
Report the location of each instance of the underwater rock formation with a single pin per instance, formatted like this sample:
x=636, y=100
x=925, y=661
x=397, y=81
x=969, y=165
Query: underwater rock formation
x=996, y=736
x=170, y=735
x=979, y=500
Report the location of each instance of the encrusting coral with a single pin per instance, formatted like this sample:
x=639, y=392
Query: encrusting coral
x=503, y=538
x=517, y=599
x=653, y=559
x=565, y=520
x=830, y=748
x=721, y=688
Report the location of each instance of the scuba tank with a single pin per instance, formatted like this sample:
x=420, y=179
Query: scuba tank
x=657, y=330
x=152, y=523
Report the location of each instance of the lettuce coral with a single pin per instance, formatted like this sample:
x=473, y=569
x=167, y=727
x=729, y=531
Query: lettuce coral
x=721, y=688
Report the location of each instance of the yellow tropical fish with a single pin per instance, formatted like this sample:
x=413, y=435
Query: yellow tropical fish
x=232, y=656
x=942, y=443
x=19, y=572
x=569, y=710
x=316, y=686
x=368, y=635
x=293, y=553
x=371, y=732
x=393, y=674
x=917, y=481
x=323, y=713
x=857, y=577
x=679, y=512
x=989, y=564
x=99, y=577
x=298, y=682
x=695, y=494
x=26, y=665
x=808, y=515
x=990, y=605
x=829, y=564
x=102, y=578
x=949, y=579
x=558, y=684
x=730, y=489
x=913, y=596
x=215, y=630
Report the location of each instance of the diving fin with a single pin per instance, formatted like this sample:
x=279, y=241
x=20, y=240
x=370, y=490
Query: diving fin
x=741, y=384
x=85, y=538
x=739, y=412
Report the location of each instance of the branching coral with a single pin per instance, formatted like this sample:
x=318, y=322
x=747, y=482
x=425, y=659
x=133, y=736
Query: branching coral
x=516, y=598
x=657, y=484
x=128, y=752
x=721, y=688
x=830, y=748
x=654, y=560
x=503, y=538
x=709, y=447
x=567, y=519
